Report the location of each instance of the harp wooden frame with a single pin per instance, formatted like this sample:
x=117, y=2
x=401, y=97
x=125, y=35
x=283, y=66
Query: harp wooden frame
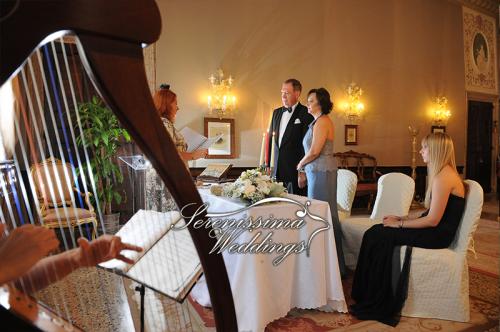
x=110, y=34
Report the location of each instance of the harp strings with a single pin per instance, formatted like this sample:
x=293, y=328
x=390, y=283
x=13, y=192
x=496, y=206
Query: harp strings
x=10, y=181
x=54, y=57
x=42, y=156
x=79, y=126
x=178, y=315
x=47, y=127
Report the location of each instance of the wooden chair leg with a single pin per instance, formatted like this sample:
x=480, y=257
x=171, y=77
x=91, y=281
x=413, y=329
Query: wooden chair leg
x=370, y=202
x=94, y=231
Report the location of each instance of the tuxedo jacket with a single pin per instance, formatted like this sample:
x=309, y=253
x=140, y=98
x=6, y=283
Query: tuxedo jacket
x=291, y=150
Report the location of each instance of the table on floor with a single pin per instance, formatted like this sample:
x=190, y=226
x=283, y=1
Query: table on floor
x=263, y=292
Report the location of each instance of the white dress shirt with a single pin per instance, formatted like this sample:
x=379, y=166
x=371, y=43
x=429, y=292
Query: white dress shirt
x=285, y=118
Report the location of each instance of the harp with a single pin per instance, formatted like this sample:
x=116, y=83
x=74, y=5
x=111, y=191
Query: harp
x=109, y=38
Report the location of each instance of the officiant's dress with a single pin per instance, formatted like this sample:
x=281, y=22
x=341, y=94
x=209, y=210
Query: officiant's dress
x=322, y=185
x=377, y=296
x=157, y=196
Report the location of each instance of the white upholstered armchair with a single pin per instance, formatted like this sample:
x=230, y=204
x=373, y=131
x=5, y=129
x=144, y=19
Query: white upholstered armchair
x=346, y=190
x=394, y=196
x=439, y=278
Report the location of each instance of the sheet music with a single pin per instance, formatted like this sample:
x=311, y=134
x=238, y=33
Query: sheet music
x=171, y=266
x=169, y=262
x=144, y=229
x=196, y=141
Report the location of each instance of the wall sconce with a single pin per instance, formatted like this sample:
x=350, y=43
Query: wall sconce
x=221, y=101
x=353, y=107
x=440, y=112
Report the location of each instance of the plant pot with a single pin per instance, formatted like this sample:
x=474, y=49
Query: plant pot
x=111, y=223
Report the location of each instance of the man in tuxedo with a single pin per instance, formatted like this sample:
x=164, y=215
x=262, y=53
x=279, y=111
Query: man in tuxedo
x=289, y=123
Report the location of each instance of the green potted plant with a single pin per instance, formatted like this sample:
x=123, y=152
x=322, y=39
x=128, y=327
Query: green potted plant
x=103, y=135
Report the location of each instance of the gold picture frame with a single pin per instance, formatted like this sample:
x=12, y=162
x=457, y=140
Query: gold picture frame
x=351, y=135
x=480, y=52
x=225, y=147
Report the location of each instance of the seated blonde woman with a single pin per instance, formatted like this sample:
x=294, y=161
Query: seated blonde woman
x=372, y=286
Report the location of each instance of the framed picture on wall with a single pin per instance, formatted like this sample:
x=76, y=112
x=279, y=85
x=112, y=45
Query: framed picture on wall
x=351, y=135
x=480, y=52
x=438, y=129
x=224, y=148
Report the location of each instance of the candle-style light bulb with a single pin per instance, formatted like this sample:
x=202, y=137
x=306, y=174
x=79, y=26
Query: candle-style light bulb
x=273, y=152
x=262, y=150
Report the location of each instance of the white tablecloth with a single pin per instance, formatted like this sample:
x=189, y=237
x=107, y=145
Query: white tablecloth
x=263, y=292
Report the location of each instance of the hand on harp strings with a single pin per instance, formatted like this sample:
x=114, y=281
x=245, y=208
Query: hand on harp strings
x=24, y=253
x=103, y=249
x=23, y=248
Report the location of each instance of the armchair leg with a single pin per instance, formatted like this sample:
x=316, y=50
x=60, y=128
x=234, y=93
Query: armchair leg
x=370, y=202
x=94, y=230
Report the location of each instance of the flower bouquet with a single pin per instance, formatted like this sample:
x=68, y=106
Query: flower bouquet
x=252, y=186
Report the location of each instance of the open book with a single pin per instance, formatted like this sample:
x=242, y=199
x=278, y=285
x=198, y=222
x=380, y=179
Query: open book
x=169, y=263
x=215, y=173
x=196, y=141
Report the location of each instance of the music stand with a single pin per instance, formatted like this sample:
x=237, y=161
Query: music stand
x=169, y=263
x=138, y=164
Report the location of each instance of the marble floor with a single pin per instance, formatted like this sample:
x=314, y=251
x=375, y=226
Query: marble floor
x=96, y=300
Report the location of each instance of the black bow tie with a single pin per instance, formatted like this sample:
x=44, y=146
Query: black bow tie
x=288, y=109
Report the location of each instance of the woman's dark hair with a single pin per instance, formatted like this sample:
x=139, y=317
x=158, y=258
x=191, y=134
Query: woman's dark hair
x=323, y=97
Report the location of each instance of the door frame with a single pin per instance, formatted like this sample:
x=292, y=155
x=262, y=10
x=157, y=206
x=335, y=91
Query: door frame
x=477, y=96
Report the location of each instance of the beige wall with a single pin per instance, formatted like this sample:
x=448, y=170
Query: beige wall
x=402, y=53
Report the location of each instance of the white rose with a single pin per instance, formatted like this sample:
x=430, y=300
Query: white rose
x=263, y=187
x=248, y=190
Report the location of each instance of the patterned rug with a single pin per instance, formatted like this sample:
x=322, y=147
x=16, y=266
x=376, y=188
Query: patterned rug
x=484, y=301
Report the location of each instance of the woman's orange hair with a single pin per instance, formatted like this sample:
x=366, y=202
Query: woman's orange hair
x=163, y=99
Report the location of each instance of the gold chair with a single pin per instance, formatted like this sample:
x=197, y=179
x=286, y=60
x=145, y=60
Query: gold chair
x=54, y=193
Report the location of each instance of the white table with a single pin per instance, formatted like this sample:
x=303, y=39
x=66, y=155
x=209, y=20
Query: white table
x=263, y=292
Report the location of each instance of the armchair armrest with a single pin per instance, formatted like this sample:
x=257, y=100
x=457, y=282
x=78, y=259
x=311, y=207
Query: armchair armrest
x=86, y=196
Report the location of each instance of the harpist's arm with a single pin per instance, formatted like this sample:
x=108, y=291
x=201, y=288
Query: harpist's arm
x=22, y=248
x=53, y=268
x=197, y=154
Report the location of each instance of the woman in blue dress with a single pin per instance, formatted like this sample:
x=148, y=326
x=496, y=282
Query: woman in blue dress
x=318, y=168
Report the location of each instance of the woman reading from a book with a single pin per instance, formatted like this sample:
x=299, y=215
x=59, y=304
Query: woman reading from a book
x=166, y=105
x=157, y=196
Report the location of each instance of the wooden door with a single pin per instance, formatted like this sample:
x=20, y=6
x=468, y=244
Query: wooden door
x=479, y=131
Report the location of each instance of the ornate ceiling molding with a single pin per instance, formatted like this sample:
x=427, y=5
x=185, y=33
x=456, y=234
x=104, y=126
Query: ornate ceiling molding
x=489, y=7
